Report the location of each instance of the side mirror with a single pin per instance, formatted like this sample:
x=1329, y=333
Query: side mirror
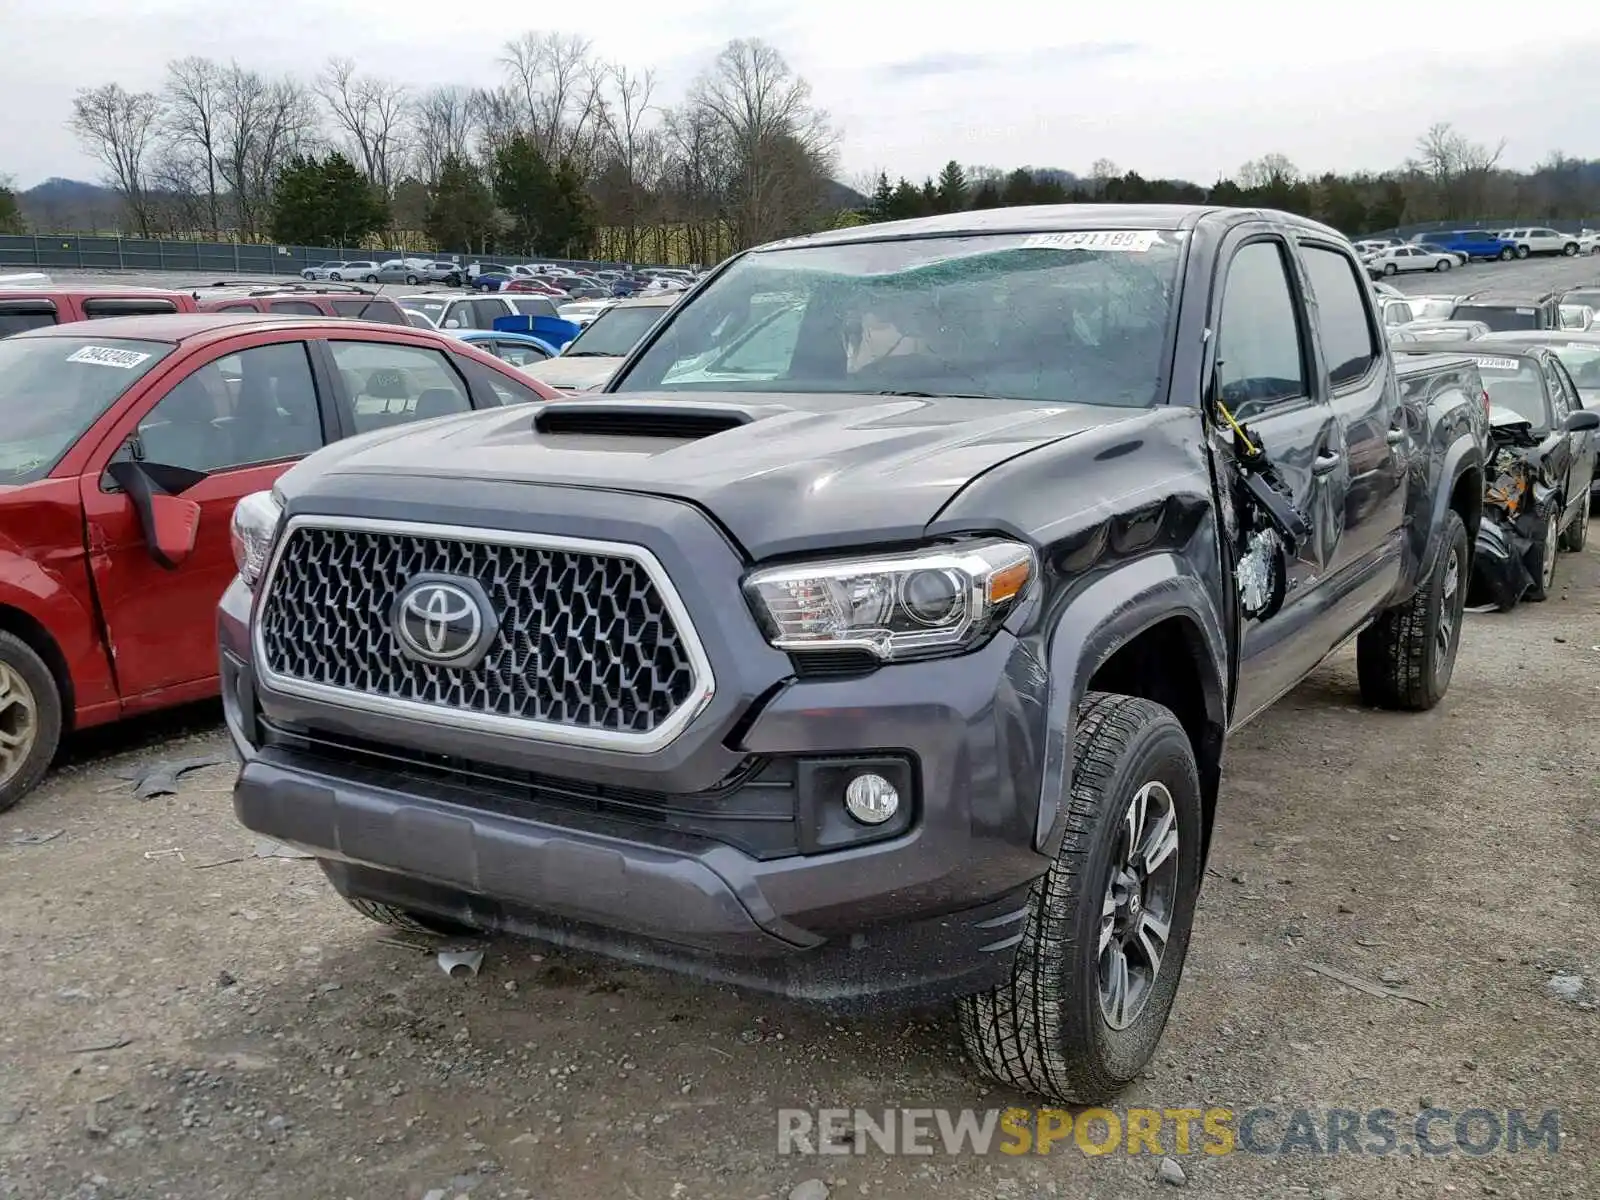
x=1583, y=420
x=170, y=523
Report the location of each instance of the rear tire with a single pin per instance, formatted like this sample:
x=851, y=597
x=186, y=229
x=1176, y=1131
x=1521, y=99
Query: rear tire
x=399, y=918
x=411, y=281
x=1523, y=252
x=1543, y=555
x=30, y=719
x=1577, y=534
x=370, y=279
x=1507, y=254
x=1404, y=659
x=1390, y=269
x=1049, y=1030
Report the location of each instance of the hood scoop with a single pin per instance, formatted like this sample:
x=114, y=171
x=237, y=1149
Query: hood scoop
x=638, y=419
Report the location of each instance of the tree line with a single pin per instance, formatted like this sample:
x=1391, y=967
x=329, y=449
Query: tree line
x=1448, y=178
x=567, y=155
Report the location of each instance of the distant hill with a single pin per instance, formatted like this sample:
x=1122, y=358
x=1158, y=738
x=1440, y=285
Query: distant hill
x=71, y=205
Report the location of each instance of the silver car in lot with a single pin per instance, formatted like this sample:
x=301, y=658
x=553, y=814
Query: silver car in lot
x=322, y=270
x=441, y=271
x=360, y=271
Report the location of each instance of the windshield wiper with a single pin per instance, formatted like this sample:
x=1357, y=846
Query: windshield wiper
x=589, y=354
x=938, y=395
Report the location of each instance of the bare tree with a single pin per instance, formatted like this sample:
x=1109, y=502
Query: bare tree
x=782, y=144
x=1458, y=169
x=190, y=131
x=1266, y=171
x=442, y=120
x=119, y=128
x=629, y=144
x=560, y=90
x=371, y=113
x=262, y=123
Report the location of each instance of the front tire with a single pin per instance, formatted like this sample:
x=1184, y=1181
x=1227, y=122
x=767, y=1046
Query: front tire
x=30, y=719
x=369, y=279
x=1570, y=249
x=400, y=918
x=1577, y=534
x=1523, y=252
x=411, y=281
x=1390, y=269
x=1507, y=254
x=335, y=277
x=1444, y=264
x=1107, y=930
x=1543, y=554
x=1405, y=658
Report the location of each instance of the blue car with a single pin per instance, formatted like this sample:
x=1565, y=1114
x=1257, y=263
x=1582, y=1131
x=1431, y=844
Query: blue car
x=1474, y=243
x=518, y=349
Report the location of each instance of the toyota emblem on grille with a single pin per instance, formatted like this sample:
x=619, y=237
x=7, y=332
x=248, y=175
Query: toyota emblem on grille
x=444, y=622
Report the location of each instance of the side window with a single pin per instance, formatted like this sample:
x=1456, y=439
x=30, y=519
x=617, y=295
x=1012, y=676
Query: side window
x=487, y=312
x=302, y=308
x=256, y=406
x=1259, y=347
x=16, y=316
x=519, y=354
x=458, y=315
x=119, y=306
x=385, y=311
x=1560, y=405
x=240, y=306
x=390, y=384
x=506, y=391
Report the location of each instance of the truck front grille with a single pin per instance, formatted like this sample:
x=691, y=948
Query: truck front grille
x=587, y=642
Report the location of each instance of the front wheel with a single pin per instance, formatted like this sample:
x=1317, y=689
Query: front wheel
x=1578, y=532
x=1542, y=556
x=1405, y=658
x=369, y=279
x=1107, y=929
x=1444, y=264
x=1522, y=252
x=1570, y=249
x=335, y=277
x=30, y=719
x=1390, y=269
x=1507, y=254
x=411, y=281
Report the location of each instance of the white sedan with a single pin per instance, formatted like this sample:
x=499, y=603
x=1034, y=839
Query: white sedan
x=1394, y=259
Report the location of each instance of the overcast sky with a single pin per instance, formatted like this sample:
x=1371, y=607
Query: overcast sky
x=1169, y=89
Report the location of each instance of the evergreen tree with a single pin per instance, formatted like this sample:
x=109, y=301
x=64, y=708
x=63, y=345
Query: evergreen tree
x=326, y=202
x=525, y=188
x=10, y=211
x=930, y=196
x=881, y=206
x=461, y=210
x=987, y=195
x=906, y=201
x=952, y=187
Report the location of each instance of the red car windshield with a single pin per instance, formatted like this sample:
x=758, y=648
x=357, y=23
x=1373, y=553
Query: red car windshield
x=53, y=388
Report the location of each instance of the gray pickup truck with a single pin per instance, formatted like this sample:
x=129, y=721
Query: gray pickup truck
x=877, y=633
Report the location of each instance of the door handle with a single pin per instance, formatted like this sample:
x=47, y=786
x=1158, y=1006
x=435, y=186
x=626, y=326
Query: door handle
x=1396, y=437
x=1323, y=463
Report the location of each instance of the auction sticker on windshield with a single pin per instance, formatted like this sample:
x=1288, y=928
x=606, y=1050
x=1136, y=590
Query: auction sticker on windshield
x=108, y=356
x=1135, y=241
x=1498, y=364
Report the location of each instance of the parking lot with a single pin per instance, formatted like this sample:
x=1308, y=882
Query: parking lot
x=1399, y=913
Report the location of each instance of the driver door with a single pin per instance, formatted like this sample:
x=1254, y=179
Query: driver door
x=242, y=417
x=1564, y=401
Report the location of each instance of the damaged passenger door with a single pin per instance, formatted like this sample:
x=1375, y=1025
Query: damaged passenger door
x=1290, y=503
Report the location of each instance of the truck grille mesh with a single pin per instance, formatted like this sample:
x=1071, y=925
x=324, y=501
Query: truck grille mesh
x=585, y=640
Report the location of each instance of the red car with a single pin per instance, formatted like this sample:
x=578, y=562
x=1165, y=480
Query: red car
x=126, y=444
x=537, y=286
x=23, y=308
x=307, y=300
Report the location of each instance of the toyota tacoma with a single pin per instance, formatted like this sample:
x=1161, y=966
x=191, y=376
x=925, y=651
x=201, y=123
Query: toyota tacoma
x=877, y=633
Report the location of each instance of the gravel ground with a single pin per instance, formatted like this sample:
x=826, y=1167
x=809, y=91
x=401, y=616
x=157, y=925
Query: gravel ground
x=186, y=1019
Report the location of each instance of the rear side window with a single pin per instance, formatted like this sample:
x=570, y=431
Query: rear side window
x=534, y=306
x=122, y=306
x=17, y=316
x=240, y=306
x=302, y=308
x=1499, y=319
x=1262, y=357
x=390, y=384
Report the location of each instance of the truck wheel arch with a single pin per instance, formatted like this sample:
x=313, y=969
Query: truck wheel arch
x=20, y=624
x=1154, y=611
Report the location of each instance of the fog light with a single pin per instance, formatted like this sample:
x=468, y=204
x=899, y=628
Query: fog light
x=871, y=799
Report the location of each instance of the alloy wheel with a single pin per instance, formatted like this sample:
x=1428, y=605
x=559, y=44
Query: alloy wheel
x=1451, y=601
x=19, y=722
x=1547, y=565
x=1140, y=902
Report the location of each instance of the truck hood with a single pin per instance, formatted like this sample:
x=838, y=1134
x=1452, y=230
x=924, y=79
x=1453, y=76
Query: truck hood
x=782, y=473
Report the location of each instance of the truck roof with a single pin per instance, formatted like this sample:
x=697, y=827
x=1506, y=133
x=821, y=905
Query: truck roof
x=1045, y=218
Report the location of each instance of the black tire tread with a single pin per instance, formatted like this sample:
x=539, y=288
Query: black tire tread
x=1393, y=663
x=1576, y=535
x=399, y=918
x=47, y=697
x=1008, y=1031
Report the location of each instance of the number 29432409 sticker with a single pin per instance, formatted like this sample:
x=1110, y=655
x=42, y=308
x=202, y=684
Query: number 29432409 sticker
x=1134, y=241
x=108, y=356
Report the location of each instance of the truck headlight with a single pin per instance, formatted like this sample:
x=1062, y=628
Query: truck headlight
x=926, y=603
x=255, y=524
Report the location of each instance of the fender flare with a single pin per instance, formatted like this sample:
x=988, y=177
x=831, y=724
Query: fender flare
x=1098, y=621
x=1460, y=456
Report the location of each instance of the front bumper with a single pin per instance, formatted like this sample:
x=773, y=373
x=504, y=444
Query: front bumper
x=485, y=830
